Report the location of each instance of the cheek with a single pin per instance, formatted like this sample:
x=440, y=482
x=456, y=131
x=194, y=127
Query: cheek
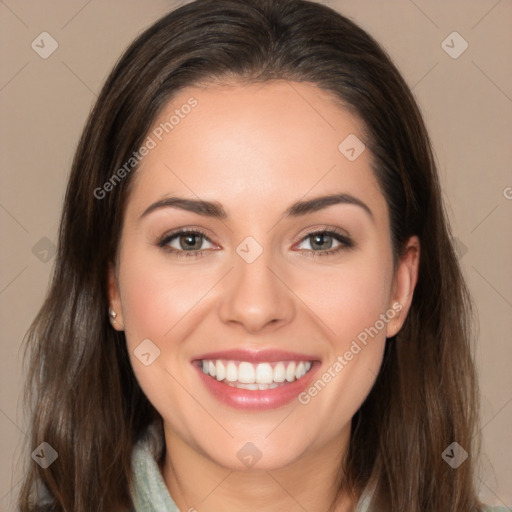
x=347, y=298
x=156, y=297
x=162, y=302
x=156, y=301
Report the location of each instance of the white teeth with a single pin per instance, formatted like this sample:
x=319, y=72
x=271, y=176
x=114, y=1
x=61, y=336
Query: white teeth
x=245, y=373
x=220, y=370
x=252, y=387
x=231, y=372
x=279, y=372
x=264, y=373
x=290, y=372
x=300, y=371
x=260, y=376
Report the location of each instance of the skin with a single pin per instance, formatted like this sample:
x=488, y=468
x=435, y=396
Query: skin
x=256, y=149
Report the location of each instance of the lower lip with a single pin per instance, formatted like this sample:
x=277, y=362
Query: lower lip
x=257, y=400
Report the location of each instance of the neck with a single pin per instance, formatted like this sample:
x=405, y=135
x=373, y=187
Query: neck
x=196, y=483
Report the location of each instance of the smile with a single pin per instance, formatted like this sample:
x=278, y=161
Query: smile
x=255, y=376
x=255, y=380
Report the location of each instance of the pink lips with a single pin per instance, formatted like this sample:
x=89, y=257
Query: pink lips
x=257, y=356
x=257, y=400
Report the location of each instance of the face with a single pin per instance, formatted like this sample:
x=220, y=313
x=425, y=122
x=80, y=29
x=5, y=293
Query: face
x=250, y=305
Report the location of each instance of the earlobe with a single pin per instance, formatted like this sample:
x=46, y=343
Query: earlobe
x=114, y=299
x=406, y=277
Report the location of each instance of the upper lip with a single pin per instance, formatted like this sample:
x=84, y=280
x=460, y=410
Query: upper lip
x=256, y=356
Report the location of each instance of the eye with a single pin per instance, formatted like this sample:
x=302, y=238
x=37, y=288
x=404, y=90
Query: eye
x=189, y=243
x=322, y=243
x=184, y=243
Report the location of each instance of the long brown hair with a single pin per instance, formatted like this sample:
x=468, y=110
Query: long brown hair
x=84, y=398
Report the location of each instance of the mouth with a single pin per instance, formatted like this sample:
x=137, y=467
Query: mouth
x=252, y=376
x=256, y=380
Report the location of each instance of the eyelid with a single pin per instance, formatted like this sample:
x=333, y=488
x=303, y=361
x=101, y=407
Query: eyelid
x=186, y=229
x=324, y=228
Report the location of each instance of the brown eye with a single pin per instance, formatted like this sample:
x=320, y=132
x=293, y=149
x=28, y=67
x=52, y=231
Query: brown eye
x=190, y=241
x=184, y=243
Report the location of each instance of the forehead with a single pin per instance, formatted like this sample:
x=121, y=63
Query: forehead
x=254, y=144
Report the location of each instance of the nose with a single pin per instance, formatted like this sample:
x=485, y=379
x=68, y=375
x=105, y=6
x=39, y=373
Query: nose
x=256, y=295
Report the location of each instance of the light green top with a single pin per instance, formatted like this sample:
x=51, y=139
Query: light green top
x=151, y=494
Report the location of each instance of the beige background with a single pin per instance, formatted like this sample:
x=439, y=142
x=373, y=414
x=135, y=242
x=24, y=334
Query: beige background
x=467, y=104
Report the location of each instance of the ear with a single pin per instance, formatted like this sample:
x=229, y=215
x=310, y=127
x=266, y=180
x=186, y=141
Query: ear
x=405, y=279
x=114, y=299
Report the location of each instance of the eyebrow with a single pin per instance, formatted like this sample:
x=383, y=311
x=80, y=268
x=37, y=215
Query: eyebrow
x=215, y=210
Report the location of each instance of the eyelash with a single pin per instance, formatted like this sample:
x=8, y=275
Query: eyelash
x=345, y=243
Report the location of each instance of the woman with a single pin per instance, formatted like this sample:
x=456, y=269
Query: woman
x=194, y=351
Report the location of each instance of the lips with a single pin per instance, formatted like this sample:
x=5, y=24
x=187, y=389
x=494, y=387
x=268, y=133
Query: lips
x=255, y=380
x=257, y=356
